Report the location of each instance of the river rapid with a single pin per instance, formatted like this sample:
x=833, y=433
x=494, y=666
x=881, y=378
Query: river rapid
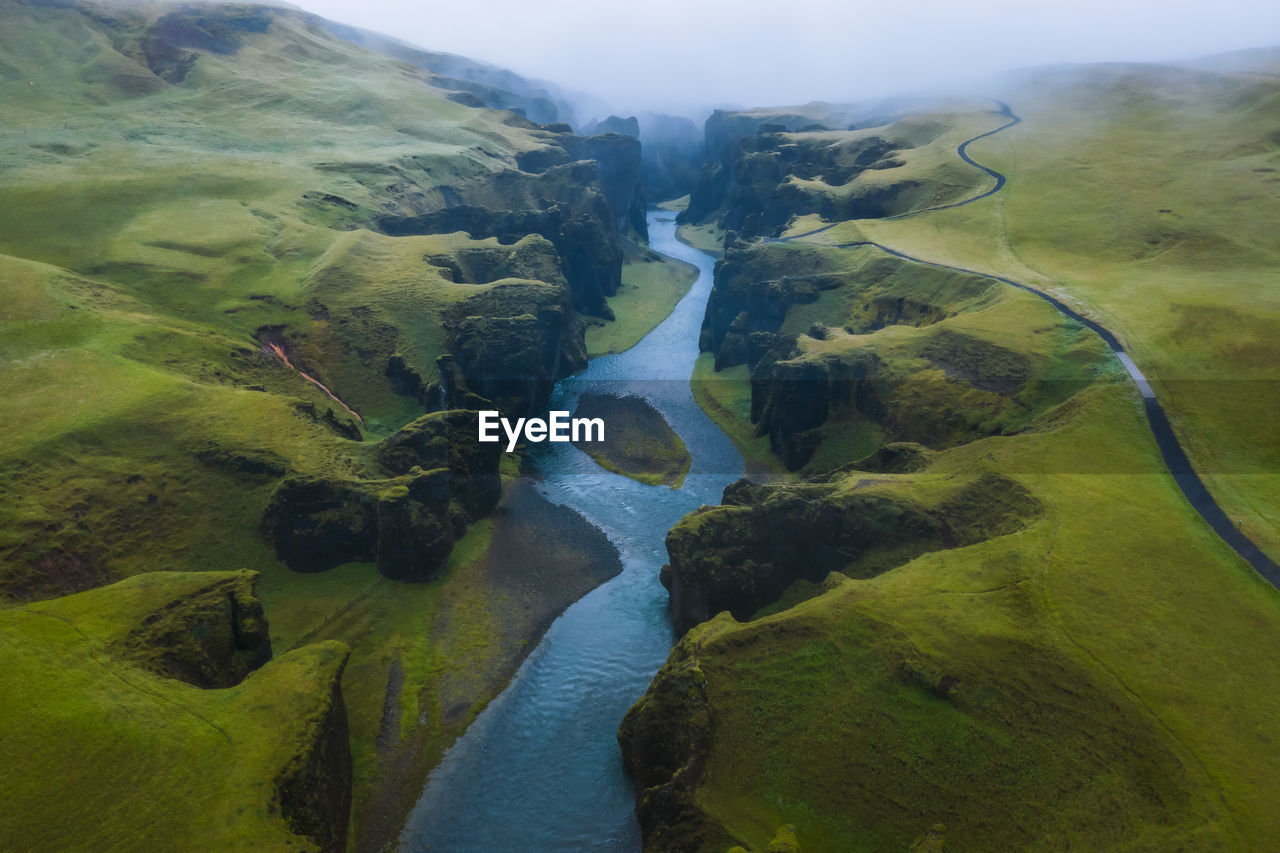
x=540, y=769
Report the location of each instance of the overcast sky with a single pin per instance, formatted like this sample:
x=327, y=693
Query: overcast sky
x=752, y=53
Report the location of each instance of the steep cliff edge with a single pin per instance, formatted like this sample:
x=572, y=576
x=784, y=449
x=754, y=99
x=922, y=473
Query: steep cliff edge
x=869, y=349
x=743, y=555
x=329, y=283
x=217, y=357
x=992, y=694
x=765, y=167
x=408, y=523
x=165, y=680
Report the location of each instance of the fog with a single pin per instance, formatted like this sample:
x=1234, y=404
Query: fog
x=678, y=54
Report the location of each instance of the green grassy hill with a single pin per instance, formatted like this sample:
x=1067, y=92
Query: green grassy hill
x=136, y=741
x=1098, y=674
x=1145, y=196
x=187, y=193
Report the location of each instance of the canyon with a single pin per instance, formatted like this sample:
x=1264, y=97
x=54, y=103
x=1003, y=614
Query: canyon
x=388, y=468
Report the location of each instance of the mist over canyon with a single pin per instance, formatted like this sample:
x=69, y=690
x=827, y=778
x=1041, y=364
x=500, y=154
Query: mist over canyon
x=693, y=427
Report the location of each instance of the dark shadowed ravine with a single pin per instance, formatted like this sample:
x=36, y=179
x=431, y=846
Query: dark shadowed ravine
x=539, y=769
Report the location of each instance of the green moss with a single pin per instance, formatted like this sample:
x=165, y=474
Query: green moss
x=725, y=396
x=1059, y=684
x=1177, y=266
x=149, y=425
x=650, y=290
x=638, y=442
x=89, y=726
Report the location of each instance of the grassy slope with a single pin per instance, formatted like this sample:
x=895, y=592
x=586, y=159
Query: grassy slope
x=1117, y=618
x=188, y=768
x=707, y=238
x=1117, y=689
x=726, y=398
x=1179, y=260
x=927, y=171
x=146, y=232
x=650, y=290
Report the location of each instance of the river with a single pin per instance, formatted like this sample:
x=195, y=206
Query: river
x=540, y=769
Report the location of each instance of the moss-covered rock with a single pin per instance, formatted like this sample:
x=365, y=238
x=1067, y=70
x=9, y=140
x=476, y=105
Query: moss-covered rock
x=313, y=792
x=212, y=635
x=767, y=168
x=743, y=555
x=131, y=722
x=315, y=523
x=665, y=739
x=755, y=288
x=513, y=341
x=564, y=204
x=448, y=440
x=404, y=524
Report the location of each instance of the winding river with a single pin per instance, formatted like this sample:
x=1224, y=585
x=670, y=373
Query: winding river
x=540, y=768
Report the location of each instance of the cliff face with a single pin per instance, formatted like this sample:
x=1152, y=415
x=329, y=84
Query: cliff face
x=621, y=172
x=727, y=135
x=212, y=635
x=513, y=341
x=563, y=203
x=166, y=681
x=673, y=154
x=755, y=288
x=764, y=168
x=406, y=524
x=745, y=554
x=666, y=740
x=250, y=356
x=313, y=792
x=803, y=319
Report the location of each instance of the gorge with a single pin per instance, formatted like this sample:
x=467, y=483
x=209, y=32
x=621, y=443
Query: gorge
x=404, y=453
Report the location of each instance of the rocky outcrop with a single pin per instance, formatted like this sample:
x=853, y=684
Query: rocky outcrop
x=791, y=399
x=724, y=132
x=743, y=555
x=533, y=257
x=406, y=524
x=565, y=204
x=764, y=167
x=621, y=173
x=212, y=635
x=402, y=524
x=448, y=440
x=313, y=792
x=108, y=662
x=896, y=457
x=629, y=126
x=755, y=286
x=940, y=388
x=619, y=169
x=512, y=341
x=665, y=740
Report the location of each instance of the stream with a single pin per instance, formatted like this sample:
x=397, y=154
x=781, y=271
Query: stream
x=540, y=768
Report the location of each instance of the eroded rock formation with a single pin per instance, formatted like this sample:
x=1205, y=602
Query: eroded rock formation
x=744, y=554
